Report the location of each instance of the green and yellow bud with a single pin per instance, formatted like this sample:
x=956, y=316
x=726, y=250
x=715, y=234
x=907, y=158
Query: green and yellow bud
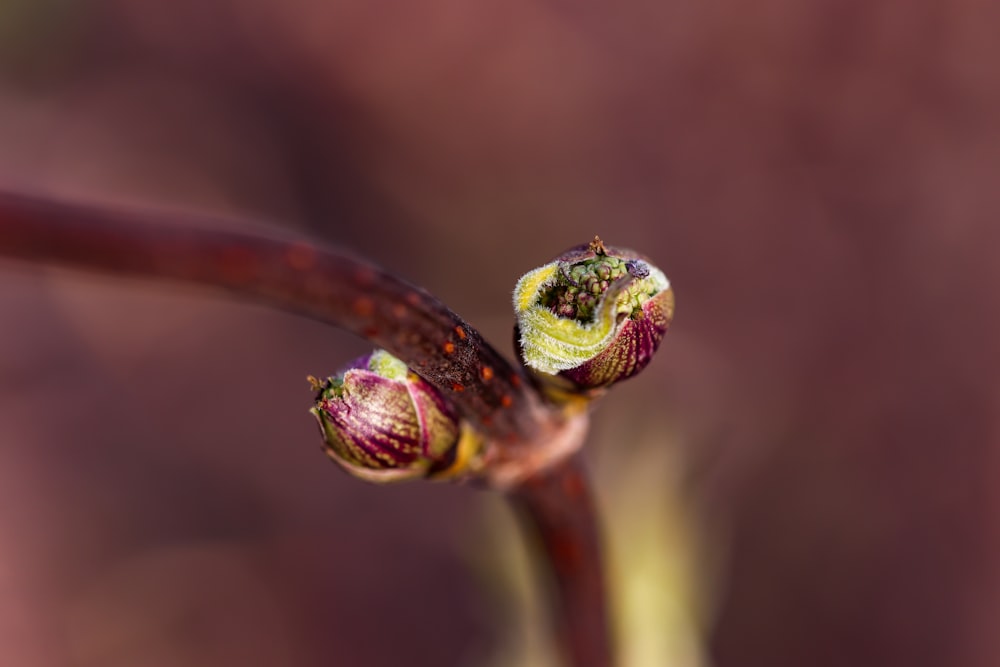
x=594, y=316
x=381, y=422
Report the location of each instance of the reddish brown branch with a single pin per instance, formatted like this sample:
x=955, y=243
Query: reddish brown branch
x=321, y=283
x=557, y=509
x=333, y=287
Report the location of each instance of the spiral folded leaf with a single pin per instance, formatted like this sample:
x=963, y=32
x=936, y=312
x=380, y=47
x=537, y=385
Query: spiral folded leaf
x=594, y=316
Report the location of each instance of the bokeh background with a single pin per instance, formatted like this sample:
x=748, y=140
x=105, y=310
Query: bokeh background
x=817, y=440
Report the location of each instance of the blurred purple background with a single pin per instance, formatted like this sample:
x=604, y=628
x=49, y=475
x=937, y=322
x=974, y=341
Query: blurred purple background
x=819, y=180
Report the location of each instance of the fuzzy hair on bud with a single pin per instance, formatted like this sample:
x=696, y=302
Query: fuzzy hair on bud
x=594, y=316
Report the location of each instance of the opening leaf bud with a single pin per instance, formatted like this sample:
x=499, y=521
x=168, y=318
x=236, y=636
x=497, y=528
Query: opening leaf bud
x=594, y=316
x=381, y=422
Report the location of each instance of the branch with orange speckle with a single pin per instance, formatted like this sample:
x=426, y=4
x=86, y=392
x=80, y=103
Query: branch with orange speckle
x=588, y=320
x=292, y=274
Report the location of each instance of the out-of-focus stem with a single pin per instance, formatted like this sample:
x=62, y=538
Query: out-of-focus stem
x=294, y=275
x=557, y=511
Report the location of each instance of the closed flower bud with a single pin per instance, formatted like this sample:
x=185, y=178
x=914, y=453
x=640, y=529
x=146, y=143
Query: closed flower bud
x=382, y=422
x=594, y=316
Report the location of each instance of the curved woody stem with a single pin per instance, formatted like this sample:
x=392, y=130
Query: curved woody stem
x=331, y=286
x=295, y=275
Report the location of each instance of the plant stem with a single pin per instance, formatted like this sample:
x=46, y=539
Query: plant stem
x=333, y=287
x=294, y=275
x=557, y=509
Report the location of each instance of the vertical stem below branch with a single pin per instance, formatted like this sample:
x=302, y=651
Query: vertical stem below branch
x=558, y=512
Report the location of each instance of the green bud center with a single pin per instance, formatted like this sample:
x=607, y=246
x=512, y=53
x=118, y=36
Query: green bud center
x=385, y=365
x=381, y=363
x=579, y=288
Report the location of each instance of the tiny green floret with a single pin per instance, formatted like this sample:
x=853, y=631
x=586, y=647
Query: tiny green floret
x=578, y=287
